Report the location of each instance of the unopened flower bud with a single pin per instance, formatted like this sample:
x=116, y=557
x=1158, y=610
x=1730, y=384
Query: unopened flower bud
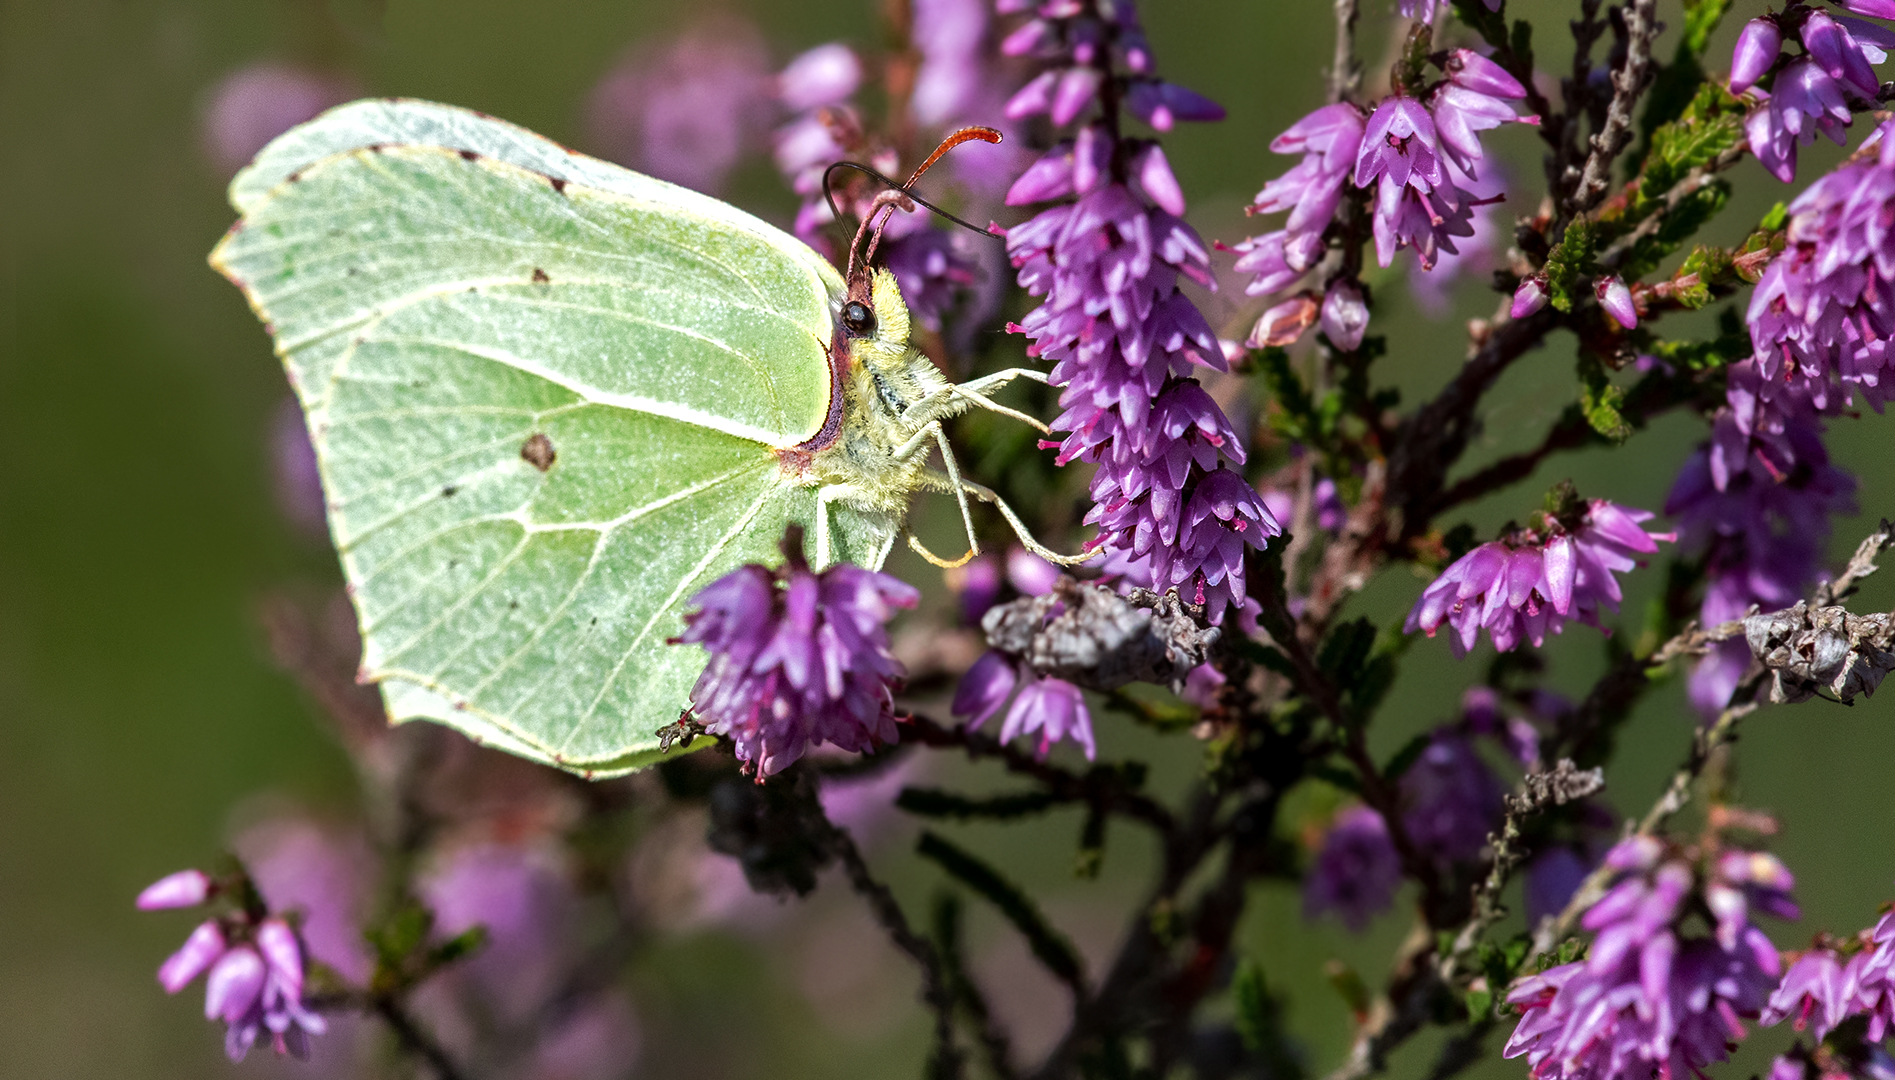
x=198, y=953
x=186, y=888
x=1345, y=316
x=1757, y=49
x=1616, y=298
x=1530, y=297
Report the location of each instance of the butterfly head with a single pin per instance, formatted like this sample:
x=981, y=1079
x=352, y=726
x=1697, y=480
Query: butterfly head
x=874, y=319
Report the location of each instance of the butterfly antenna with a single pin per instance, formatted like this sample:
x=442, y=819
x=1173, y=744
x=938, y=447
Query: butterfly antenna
x=898, y=195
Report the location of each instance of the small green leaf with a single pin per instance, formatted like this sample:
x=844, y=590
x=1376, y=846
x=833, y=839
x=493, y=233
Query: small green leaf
x=1479, y=1004
x=1570, y=262
x=1601, y=400
x=1345, y=649
x=1700, y=22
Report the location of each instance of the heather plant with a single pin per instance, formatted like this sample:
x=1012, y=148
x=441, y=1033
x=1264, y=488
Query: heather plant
x=1230, y=479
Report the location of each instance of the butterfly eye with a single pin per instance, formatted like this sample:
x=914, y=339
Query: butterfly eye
x=858, y=319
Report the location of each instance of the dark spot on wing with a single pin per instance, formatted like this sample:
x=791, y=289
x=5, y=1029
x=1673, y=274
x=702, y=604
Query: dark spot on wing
x=295, y=176
x=537, y=451
x=559, y=185
x=539, y=276
x=449, y=491
x=469, y=155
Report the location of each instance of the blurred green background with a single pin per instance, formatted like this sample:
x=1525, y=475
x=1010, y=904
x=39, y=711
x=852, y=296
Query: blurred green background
x=139, y=531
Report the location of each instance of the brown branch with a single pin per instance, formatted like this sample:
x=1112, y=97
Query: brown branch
x=936, y=990
x=1694, y=181
x=1345, y=73
x=413, y=1038
x=1100, y=787
x=1431, y=441
x=1628, y=83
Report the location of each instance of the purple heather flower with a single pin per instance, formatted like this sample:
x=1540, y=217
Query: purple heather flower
x=1053, y=707
x=202, y=949
x=1762, y=530
x=1530, y=297
x=1757, y=49
x=1331, y=514
x=1285, y=324
x=1647, y=1000
x=1423, y=10
x=949, y=35
x=186, y=888
x=932, y=270
x=1474, y=99
x=1356, y=870
x=688, y=109
x=1345, y=315
x=1812, y=93
x=1329, y=140
x=1451, y=800
x=255, y=104
x=977, y=584
x=1813, y=989
x=1616, y=299
x=1474, y=257
x=1551, y=880
x=1124, y=338
x=1030, y=574
x=1056, y=710
x=258, y=988
x=825, y=75
x=1526, y=584
x=985, y=687
x=1881, y=9
x=1871, y=977
x=797, y=658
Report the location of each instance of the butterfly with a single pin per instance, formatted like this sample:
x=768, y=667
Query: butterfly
x=552, y=398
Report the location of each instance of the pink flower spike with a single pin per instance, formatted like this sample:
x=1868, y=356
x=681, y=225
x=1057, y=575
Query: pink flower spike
x=198, y=953
x=186, y=888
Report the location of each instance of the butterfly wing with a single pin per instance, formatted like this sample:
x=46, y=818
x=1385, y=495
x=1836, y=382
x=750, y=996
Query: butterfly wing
x=543, y=393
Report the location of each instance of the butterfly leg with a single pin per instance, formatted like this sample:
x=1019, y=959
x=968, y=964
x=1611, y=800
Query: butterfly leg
x=976, y=391
x=932, y=432
x=938, y=482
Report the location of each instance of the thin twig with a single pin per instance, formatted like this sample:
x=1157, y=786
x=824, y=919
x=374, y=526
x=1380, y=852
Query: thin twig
x=1628, y=83
x=1345, y=73
x=1097, y=788
x=1694, y=181
x=414, y=1039
x=936, y=989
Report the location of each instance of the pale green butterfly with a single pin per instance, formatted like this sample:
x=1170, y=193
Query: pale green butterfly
x=552, y=398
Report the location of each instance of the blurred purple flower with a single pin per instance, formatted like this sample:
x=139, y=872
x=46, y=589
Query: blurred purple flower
x=1647, y=999
x=1423, y=10
x=321, y=873
x=1551, y=880
x=1331, y=513
x=1451, y=800
x=951, y=36
x=293, y=461
x=686, y=109
x=1762, y=534
x=254, y=104
x=1533, y=580
x=1474, y=257
x=977, y=584
x=797, y=659
x=1030, y=574
x=522, y=894
x=599, y=1039
x=1356, y=870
